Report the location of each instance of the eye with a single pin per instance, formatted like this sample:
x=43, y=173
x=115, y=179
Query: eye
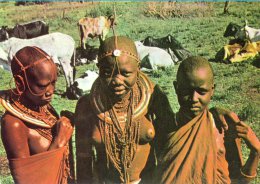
x=126, y=74
x=184, y=91
x=202, y=92
x=105, y=73
x=41, y=86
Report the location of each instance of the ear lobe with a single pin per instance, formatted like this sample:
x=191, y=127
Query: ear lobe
x=19, y=83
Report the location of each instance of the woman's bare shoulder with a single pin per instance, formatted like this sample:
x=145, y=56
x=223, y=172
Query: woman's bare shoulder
x=11, y=122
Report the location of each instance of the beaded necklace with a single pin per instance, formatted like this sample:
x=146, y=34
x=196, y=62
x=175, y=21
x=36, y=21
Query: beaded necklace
x=121, y=137
x=43, y=120
x=44, y=115
x=119, y=125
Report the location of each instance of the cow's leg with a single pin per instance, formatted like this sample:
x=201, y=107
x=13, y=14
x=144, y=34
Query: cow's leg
x=104, y=34
x=84, y=39
x=100, y=39
x=67, y=70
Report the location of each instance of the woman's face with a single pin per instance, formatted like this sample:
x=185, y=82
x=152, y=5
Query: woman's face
x=194, y=91
x=118, y=78
x=41, y=80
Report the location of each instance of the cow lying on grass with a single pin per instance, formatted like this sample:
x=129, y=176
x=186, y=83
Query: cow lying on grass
x=24, y=31
x=237, y=53
x=171, y=45
x=83, y=84
x=242, y=32
x=94, y=27
x=153, y=57
x=57, y=45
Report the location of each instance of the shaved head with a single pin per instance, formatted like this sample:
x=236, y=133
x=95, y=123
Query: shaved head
x=192, y=64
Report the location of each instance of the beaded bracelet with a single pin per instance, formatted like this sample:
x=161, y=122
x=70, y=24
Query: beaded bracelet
x=247, y=176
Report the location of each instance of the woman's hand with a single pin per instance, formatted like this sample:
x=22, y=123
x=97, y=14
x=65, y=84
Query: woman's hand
x=245, y=132
x=64, y=130
x=224, y=118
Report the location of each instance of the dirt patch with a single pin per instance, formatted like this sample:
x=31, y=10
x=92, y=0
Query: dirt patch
x=4, y=166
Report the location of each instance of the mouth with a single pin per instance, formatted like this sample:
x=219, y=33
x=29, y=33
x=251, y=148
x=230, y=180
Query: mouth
x=48, y=100
x=194, y=108
x=119, y=90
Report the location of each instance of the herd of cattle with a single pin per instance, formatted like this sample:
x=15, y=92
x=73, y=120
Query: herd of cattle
x=61, y=47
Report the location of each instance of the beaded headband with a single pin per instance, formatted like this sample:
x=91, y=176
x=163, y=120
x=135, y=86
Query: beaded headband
x=24, y=68
x=118, y=52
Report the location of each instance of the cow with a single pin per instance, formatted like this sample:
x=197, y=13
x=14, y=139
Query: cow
x=242, y=32
x=83, y=84
x=94, y=27
x=252, y=34
x=153, y=57
x=170, y=44
x=24, y=31
x=59, y=46
x=235, y=31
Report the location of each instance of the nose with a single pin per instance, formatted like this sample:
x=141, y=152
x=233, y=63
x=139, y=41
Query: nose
x=195, y=96
x=49, y=91
x=117, y=80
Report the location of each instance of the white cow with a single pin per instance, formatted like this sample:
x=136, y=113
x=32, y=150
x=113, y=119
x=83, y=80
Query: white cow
x=84, y=83
x=252, y=34
x=59, y=46
x=153, y=57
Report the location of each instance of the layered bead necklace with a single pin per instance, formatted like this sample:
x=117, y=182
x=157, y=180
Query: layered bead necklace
x=44, y=115
x=121, y=137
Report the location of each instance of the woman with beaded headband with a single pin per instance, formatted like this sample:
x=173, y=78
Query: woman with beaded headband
x=34, y=136
x=118, y=119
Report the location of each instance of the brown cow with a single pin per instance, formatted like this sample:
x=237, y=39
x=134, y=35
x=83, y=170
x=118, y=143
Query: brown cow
x=93, y=27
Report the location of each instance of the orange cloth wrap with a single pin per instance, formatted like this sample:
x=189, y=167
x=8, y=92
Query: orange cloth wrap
x=190, y=155
x=44, y=168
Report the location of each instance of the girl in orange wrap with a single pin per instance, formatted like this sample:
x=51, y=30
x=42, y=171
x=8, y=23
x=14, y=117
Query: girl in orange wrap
x=34, y=136
x=197, y=152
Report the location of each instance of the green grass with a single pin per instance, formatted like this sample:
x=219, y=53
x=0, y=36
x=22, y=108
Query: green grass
x=238, y=85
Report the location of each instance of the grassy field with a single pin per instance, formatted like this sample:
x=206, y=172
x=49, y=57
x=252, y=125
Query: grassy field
x=238, y=85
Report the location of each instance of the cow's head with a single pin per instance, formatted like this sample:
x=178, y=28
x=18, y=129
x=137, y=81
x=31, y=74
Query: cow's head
x=111, y=20
x=148, y=41
x=232, y=30
x=172, y=42
x=3, y=34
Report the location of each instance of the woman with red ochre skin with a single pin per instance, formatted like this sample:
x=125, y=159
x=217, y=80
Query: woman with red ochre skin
x=31, y=129
x=116, y=119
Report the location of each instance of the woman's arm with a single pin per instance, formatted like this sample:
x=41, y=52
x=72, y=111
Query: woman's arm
x=164, y=116
x=249, y=170
x=15, y=137
x=83, y=142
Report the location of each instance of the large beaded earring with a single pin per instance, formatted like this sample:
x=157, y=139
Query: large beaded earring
x=19, y=85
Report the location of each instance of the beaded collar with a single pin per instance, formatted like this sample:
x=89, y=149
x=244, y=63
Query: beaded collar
x=99, y=105
x=30, y=116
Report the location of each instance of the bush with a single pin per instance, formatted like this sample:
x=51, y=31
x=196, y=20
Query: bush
x=177, y=9
x=104, y=9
